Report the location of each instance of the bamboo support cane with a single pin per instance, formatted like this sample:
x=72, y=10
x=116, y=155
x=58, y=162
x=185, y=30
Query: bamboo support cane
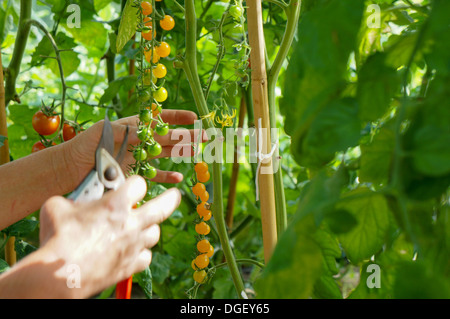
x=261, y=114
x=10, y=253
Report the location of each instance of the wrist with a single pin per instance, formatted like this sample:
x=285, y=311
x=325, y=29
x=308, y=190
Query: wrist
x=65, y=172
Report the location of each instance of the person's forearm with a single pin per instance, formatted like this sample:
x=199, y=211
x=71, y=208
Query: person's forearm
x=26, y=183
x=39, y=275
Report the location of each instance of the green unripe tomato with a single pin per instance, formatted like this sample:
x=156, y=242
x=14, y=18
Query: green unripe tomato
x=140, y=155
x=154, y=149
x=150, y=172
x=144, y=133
x=144, y=96
x=145, y=115
x=162, y=129
x=147, y=79
x=236, y=11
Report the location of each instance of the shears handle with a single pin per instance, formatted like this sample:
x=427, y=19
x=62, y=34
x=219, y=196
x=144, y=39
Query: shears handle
x=123, y=288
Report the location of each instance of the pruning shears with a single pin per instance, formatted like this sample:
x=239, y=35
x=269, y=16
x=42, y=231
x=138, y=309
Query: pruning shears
x=106, y=175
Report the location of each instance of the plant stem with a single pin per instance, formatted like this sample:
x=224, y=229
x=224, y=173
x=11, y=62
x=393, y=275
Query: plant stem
x=278, y=3
x=61, y=70
x=10, y=254
x=293, y=14
x=19, y=48
x=243, y=260
x=220, y=54
x=190, y=67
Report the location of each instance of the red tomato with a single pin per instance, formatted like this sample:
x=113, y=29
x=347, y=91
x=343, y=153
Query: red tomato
x=45, y=125
x=68, y=132
x=39, y=146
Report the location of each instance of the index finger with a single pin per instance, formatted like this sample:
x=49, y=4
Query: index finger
x=159, y=209
x=178, y=117
x=173, y=117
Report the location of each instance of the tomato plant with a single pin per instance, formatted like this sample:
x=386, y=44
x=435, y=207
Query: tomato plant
x=357, y=94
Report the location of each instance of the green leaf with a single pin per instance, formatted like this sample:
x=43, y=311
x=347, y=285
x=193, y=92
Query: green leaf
x=330, y=250
x=4, y=13
x=91, y=34
x=399, y=49
x=23, y=248
x=100, y=4
x=427, y=139
x=144, y=279
x=294, y=267
x=57, y=5
x=128, y=25
x=69, y=59
x=105, y=294
x=438, y=34
x=21, y=135
x=223, y=286
x=320, y=195
x=432, y=151
x=334, y=129
x=372, y=213
x=22, y=227
x=317, y=69
x=327, y=288
x=415, y=280
x=377, y=85
x=160, y=267
x=123, y=83
x=376, y=157
x=178, y=243
x=3, y=266
x=340, y=221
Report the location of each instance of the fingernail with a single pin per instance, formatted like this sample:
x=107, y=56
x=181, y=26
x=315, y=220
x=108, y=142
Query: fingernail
x=175, y=193
x=139, y=185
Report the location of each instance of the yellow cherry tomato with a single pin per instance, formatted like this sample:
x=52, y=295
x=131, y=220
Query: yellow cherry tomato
x=160, y=95
x=151, y=55
x=160, y=71
x=168, y=23
x=146, y=8
x=199, y=276
x=202, y=228
x=163, y=49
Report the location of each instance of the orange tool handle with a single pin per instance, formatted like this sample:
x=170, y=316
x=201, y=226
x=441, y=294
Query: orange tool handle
x=123, y=289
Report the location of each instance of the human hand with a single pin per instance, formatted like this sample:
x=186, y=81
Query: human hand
x=81, y=149
x=106, y=239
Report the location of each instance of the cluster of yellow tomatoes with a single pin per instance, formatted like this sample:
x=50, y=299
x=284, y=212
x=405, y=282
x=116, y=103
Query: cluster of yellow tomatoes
x=204, y=247
x=154, y=54
x=151, y=96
